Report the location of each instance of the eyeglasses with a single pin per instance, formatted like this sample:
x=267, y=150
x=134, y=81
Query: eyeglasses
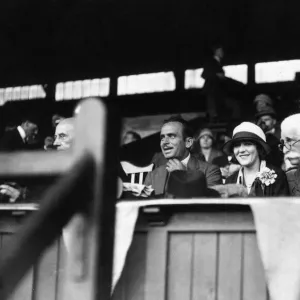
x=288, y=146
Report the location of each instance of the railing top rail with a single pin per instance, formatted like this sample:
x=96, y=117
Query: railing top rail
x=35, y=163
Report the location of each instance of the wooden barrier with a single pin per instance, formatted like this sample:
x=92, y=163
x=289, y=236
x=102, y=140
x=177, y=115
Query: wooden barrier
x=207, y=252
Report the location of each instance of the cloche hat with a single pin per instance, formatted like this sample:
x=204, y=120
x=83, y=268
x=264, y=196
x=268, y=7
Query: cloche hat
x=247, y=131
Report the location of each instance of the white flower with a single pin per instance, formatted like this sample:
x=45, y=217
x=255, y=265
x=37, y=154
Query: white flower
x=266, y=176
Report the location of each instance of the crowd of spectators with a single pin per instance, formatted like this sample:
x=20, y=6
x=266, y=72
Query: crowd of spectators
x=259, y=158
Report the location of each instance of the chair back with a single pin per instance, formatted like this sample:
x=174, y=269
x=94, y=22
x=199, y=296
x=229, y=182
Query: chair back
x=133, y=170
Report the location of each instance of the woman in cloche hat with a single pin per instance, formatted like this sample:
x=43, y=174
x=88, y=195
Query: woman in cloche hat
x=249, y=147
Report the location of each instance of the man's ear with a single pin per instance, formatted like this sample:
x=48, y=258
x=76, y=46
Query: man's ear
x=189, y=142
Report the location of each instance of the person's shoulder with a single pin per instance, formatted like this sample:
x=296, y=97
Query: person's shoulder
x=232, y=178
x=11, y=132
x=203, y=165
x=276, y=169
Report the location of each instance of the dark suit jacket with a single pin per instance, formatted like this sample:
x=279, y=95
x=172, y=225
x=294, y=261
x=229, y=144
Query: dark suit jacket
x=213, y=154
x=158, y=177
x=279, y=188
x=293, y=177
x=12, y=141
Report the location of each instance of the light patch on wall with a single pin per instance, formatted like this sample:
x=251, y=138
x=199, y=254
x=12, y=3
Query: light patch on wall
x=276, y=71
x=193, y=79
x=82, y=88
x=237, y=72
x=19, y=93
x=146, y=83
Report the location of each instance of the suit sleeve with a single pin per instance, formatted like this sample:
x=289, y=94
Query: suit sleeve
x=5, y=142
x=213, y=175
x=148, y=180
x=282, y=188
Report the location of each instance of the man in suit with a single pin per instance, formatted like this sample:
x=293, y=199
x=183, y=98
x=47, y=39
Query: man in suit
x=290, y=146
x=266, y=120
x=64, y=137
x=175, y=142
x=64, y=134
x=20, y=138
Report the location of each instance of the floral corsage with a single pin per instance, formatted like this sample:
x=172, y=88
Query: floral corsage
x=267, y=176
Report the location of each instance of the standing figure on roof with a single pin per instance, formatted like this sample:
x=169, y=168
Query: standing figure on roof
x=216, y=87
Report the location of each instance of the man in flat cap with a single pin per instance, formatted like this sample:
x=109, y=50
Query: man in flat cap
x=266, y=119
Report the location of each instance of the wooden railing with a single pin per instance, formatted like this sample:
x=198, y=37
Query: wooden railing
x=80, y=190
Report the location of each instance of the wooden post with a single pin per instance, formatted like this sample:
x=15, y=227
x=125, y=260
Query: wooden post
x=97, y=133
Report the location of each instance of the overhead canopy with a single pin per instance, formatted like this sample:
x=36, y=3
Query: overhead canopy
x=65, y=40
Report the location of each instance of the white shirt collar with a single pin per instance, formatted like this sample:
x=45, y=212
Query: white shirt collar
x=186, y=160
x=22, y=133
x=271, y=131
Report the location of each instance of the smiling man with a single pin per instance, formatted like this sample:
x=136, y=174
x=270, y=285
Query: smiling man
x=176, y=140
x=290, y=146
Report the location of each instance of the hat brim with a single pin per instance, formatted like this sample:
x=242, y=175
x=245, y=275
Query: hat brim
x=206, y=134
x=265, y=113
x=227, y=147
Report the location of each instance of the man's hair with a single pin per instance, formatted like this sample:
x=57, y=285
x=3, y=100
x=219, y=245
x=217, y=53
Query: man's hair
x=291, y=124
x=134, y=134
x=69, y=121
x=29, y=118
x=186, y=129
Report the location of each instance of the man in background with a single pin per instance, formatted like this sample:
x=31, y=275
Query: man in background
x=130, y=136
x=64, y=134
x=290, y=146
x=21, y=137
x=266, y=119
x=214, y=77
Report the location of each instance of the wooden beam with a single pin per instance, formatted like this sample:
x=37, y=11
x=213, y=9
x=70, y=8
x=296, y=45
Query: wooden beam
x=35, y=163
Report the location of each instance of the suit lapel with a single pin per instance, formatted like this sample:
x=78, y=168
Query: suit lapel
x=192, y=164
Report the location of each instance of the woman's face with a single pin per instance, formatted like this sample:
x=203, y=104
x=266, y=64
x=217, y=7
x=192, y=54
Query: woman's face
x=206, y=142
x=246, y=153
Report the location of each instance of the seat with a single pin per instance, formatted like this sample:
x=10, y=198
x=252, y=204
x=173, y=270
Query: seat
x=133, y=170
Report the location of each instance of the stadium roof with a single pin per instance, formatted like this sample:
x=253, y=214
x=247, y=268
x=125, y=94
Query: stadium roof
x=64, y=40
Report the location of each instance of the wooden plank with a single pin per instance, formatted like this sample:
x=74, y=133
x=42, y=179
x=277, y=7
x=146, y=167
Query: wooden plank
x=135, y=268
x=156, y=264
x=230, y=266
x=212, y=221
x=24, y=290
x=180, y=266
x=35, y=163
x=254, y=283
x=9, y=224
x=204, y=267
x=61, y=270
x=46, y=274
x=120, y=289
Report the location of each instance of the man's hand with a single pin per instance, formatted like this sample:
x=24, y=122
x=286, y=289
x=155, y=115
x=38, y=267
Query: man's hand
x=10, y=192
x=175, y=164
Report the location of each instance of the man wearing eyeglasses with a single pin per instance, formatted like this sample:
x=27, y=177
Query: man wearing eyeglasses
x=290, y=146
x=64, y=134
